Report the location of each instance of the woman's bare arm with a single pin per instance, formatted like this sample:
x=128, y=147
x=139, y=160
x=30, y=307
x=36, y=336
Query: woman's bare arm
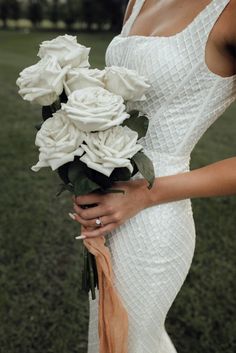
x=216, y=179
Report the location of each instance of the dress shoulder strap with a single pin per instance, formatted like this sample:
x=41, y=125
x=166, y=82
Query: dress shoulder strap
x=135, y=11
x=206, y=20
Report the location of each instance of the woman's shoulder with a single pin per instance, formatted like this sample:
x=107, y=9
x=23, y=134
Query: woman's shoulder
x=227, y=22
x=224, y=31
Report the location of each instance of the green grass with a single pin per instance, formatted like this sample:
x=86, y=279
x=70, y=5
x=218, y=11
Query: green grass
x=41, y=306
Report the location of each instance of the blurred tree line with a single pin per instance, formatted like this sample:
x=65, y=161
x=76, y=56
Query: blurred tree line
x=88, y=12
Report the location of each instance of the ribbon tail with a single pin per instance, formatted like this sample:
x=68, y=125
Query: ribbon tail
x=113, y=317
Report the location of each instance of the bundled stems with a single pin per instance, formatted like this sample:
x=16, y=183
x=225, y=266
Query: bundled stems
x=89, y=273
x=91, y=276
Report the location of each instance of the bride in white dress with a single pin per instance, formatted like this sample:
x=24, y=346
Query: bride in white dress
x=186, y=49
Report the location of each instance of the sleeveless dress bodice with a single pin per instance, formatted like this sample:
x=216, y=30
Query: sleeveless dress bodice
x=151, y=253
x=185, y=97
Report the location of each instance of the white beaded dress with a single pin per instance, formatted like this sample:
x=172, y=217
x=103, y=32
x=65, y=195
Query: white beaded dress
x=152, y=252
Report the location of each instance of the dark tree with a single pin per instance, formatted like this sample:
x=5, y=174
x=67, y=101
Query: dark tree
x=102, y=12
x=117, y=9
x=98, y=13
x=88, y=13
x=69, y=12
x=35, y=12
x=15, y=10
x=54, y=12
x=4, y=12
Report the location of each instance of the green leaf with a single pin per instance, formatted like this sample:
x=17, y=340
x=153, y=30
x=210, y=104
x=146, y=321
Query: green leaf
x=61, y=189
x=56, y=106
x=77, y=175
x=101, y=179
x=63, y=97
x=65, y=187
x=135, y=170
x=47, y=112
x=134, y=113
x=76, y=170
x=138, y=124
x=120, y=174
x=84, y=185
x=89, y=178
x=145, y=167
x=145, y=122
x=63, y=172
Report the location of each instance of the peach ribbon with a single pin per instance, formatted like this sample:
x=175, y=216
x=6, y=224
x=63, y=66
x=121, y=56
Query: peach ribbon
x=112, y=316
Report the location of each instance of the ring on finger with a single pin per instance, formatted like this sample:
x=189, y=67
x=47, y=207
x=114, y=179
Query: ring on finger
x=98, y=222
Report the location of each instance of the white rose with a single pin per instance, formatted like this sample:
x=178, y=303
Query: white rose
x=125, y=82
x=110, y=149
x=59, y=142
x=95, y=109
x=66, y=50
x=82, y=78
x=42, y=83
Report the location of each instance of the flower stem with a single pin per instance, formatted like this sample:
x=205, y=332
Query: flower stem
x=91, y=276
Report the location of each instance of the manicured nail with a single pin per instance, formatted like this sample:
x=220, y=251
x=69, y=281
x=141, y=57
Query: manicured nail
x=71, y=215
x=80, y=237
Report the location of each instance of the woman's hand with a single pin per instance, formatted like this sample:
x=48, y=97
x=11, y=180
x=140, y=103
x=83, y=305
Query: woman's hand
x=113, y=209
x=216, y=179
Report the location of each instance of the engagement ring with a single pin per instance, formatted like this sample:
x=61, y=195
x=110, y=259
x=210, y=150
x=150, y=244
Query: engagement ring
x=98, y=222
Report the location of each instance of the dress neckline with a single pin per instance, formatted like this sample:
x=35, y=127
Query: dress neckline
x=175, y=36
x=185, y=29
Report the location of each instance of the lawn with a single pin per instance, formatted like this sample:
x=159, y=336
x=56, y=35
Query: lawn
x=41, y=306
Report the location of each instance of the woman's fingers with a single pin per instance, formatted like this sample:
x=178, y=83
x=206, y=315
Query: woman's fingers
x=98, y=232
x=92, y=222
x=83, y=228
x=91, y=232
x=92, y=212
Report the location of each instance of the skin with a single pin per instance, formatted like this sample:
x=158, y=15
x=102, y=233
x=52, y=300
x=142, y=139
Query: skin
x=165, y=18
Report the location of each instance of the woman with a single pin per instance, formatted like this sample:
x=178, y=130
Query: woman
x=187, y=50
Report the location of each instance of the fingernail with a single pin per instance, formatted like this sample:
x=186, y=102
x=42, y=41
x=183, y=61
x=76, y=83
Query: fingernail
x=80, y=237
x=71, y=215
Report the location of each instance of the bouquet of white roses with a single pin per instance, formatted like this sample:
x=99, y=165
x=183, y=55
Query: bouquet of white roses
x=87, y=134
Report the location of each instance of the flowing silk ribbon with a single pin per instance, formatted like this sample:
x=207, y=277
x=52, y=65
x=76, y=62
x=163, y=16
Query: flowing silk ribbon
x=112, y=316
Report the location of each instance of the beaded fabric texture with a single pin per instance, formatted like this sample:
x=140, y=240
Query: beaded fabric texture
x=152, y=252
